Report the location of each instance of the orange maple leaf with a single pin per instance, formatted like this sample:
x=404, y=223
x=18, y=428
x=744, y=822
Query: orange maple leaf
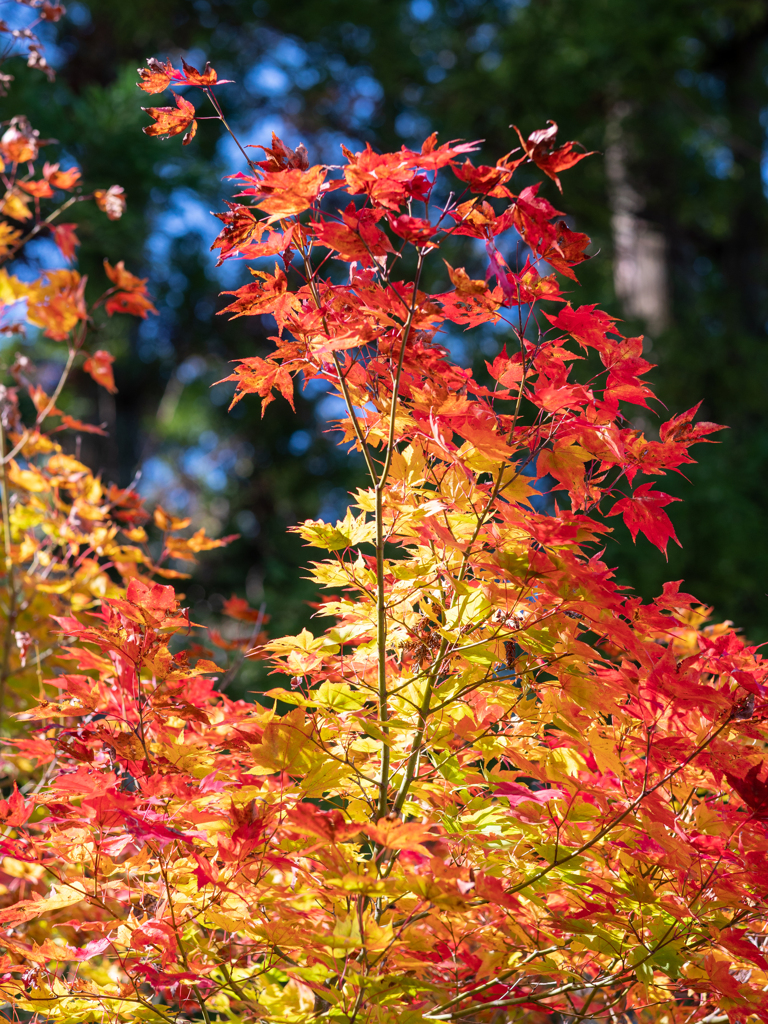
x=64, y=180
x=170, y=122
x=99, y=367
x=463, y=283
x=39, y=189
x=156, y=77
x=288, y=192
x=20, y=141
x=204, y=79
x=256, y=376
x=186, y=548
x=132, y=295
x=240, y=226
x=267, y=294
x=122, y=278
x=58, y=304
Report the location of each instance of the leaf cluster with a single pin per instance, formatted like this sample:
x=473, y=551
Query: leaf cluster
x=504, y=786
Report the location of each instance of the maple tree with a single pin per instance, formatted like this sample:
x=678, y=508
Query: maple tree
x=496, y=785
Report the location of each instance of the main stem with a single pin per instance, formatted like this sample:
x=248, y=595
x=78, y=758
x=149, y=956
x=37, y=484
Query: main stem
x=379, y=481
x=9, y=578
x=381, y=601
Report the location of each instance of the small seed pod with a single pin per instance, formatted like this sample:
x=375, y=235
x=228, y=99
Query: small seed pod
x=509, y=652
x=744, y=708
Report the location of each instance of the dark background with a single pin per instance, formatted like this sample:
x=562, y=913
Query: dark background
x=672, y=93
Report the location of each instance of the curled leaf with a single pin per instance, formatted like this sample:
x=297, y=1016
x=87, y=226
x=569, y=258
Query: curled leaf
x=170, y=121
x=111, y=201
x=99, y=367
x=539, y=148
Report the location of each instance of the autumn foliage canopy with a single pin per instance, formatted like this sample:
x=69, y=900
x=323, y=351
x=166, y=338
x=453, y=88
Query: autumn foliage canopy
x=491, y=784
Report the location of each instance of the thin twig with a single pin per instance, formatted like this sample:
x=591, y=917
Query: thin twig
x=10, y=622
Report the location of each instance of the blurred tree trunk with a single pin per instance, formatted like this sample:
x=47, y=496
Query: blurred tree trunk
x=639, y=247
x=741, y=65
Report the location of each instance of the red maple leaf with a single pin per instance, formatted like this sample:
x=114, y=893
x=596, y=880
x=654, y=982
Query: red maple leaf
x=568, y=250
x=682, y=428
x=643, y=512
x=433, y=157
x=752, y=789
x=539, y=150
x=412, y=229
x=65, y=237
x=238, y=608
